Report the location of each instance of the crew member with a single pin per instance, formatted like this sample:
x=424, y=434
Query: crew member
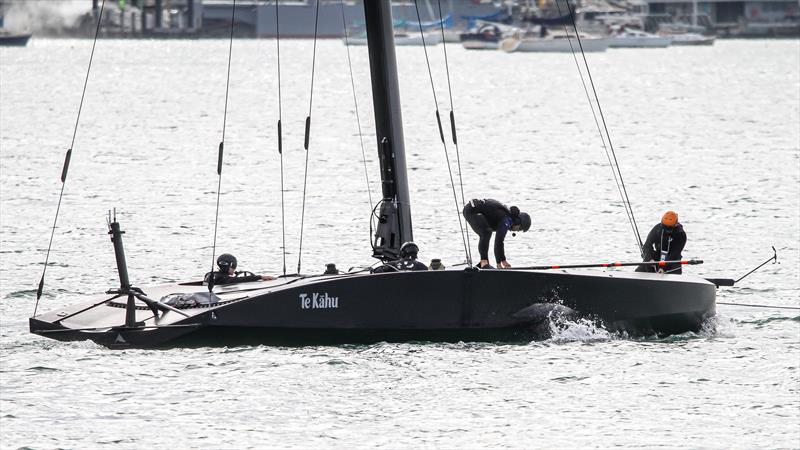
x=489, y=216
x=227, y=273
x=665, y=242
x=407, y=261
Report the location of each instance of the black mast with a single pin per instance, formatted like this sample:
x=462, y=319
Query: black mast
x=394, y=226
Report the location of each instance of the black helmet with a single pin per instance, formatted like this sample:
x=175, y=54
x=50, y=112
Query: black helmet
x=525, y=221
x=409, y=249
x=226, y=261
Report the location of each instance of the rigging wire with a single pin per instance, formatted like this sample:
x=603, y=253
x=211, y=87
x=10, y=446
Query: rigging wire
x=280, y=133
x=750, y=305
x=605, y=127
x=355, y=103
x=67, y=157
x=307, y=136
x=221, y=148
x=441, y=133
x=625, y=204
x=453, y=126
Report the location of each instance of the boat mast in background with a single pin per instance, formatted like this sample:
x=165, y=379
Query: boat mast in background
x=394, y=225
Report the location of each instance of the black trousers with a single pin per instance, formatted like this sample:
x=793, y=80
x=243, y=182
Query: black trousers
x=480, y=226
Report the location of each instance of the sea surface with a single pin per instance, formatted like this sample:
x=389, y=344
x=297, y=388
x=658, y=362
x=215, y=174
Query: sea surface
x=710, y=132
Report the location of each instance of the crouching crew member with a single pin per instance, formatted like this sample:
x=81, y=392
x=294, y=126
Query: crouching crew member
x=489, y=216
x=407, y=261
x=665, y=242
x=227, y=273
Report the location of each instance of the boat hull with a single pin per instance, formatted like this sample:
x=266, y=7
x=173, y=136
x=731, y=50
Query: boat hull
x=693, y=39
x=553, y=45
x=401, y=40
x=432, y=305
x=477, y=44
x=640, y=42
x=14, y=40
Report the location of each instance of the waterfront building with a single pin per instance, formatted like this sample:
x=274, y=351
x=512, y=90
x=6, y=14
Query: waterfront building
x=731, y=18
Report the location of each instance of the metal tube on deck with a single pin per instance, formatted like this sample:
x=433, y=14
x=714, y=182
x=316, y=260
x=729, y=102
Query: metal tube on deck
x=119, y=254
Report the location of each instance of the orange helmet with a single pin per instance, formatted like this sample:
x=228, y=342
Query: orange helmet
x=670, y=219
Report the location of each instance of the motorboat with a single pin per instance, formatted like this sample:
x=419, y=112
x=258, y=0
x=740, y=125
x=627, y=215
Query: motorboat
x=630, y=38
x=691, y=39
x=487, y=37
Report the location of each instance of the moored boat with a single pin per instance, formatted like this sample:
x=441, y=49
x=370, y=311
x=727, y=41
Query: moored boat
x=400, y=38
x=629, y=38
x=691, y=39
x=558, y=42
x=487, y=37
x=9, y=39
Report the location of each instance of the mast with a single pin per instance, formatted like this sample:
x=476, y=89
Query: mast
x=394, y=225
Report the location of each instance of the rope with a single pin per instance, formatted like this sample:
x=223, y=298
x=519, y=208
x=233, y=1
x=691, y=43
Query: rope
x=441, y=134
x=280, y=134
x=308, y=134
x=355, y=103
x=758, y=306
x=453, y=126
x=67, y=158
x=221, y=148
x=605, y=127
x=628, y=210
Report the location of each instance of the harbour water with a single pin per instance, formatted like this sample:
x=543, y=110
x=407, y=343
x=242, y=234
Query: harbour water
x=711, y=132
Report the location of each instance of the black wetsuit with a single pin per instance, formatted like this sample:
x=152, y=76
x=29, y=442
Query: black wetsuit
x=224, y=278
x=659, y=238
x=401, y=265
x=485, y=217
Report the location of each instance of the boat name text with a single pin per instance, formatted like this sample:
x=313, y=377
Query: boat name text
x=318, y=301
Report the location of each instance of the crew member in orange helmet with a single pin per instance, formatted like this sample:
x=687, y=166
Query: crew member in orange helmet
x=665, y=242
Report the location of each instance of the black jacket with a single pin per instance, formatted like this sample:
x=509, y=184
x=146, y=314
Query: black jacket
x=223, y=278
x=499, y=220
x=497, y=214
x=671, y=243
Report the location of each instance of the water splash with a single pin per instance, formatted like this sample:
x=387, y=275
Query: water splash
x=564, y=329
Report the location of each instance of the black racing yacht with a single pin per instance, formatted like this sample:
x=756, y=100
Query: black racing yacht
x=443, y=305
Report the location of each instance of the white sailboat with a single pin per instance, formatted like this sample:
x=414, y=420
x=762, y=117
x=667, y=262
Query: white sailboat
x=553, y=42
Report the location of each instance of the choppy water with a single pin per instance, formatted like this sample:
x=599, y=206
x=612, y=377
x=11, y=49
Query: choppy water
x=710, y=132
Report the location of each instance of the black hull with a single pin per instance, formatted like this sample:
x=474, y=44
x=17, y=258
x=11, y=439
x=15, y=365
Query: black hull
x=406, y=306
x=17, y=40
